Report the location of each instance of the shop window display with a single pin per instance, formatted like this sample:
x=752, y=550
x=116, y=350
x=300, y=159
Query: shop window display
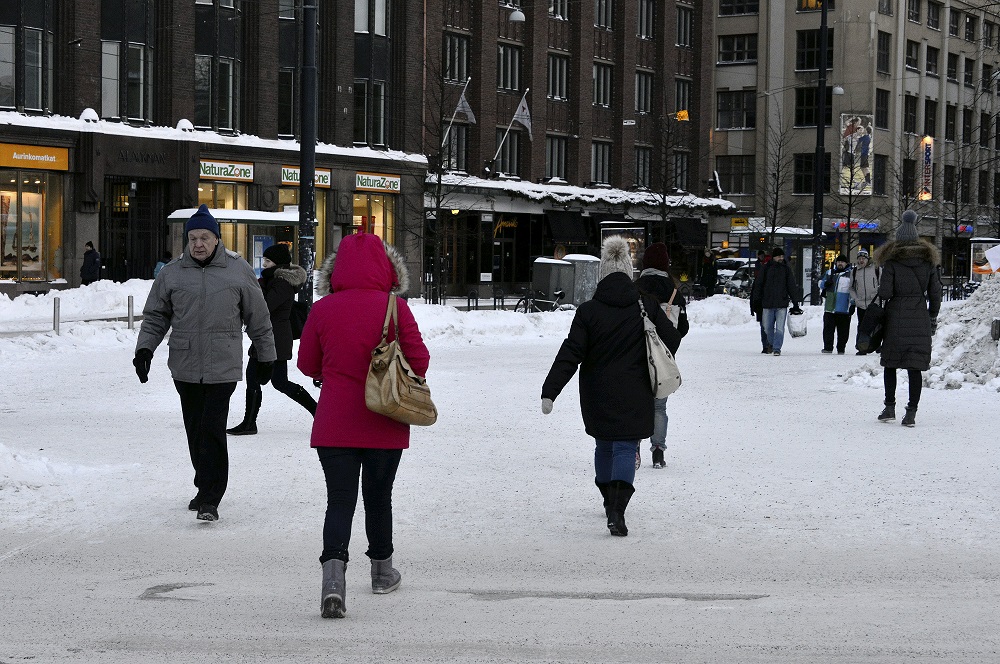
x=29, y=242
x=375, y=213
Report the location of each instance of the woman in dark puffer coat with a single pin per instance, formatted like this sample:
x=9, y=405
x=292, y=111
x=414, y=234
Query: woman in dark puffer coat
x=607, y=342
x=910, y=286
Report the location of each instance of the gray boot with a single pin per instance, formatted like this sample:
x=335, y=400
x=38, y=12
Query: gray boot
x=888, y=413
x=385, y=578
x=333, y=603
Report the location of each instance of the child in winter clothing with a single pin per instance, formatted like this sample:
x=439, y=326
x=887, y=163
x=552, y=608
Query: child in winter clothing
x=838, y=305
x=864, y=285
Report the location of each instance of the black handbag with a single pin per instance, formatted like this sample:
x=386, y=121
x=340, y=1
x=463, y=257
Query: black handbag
x=872, y=328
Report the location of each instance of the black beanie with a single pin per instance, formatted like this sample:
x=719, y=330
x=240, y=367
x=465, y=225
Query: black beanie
x=278, y=254
x=841, y=259
x=777, y=251
x=656, y=257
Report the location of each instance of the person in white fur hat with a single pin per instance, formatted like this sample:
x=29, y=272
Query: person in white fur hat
x=606, y=341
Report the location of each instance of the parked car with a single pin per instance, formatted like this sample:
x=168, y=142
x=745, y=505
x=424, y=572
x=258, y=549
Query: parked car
x=727, y=267
x=739, y=284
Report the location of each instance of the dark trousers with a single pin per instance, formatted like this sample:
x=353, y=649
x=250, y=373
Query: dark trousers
x=916, y=381
x=206, y=407
x=861, y=315
x=377, y=468
x=279, y=378
x=841, y=323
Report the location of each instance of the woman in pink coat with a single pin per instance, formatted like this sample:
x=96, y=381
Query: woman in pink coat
x=340, y=333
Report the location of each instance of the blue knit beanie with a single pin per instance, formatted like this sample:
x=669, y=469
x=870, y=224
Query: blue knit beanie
x=202, y=219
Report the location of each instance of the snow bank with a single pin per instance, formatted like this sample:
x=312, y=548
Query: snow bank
x=98, y=300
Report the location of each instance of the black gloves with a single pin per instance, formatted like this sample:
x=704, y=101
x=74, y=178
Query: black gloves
x=796, y=309
x=933, y=325
x=264, y=370
x=143, y=358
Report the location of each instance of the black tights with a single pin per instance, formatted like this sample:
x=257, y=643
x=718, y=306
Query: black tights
x=916, y=383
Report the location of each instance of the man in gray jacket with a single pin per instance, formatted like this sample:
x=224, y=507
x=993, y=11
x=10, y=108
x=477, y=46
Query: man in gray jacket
x=205, y=298
x=864, y=285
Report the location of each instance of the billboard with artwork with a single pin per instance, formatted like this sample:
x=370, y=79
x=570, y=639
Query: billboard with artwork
x=856, y=150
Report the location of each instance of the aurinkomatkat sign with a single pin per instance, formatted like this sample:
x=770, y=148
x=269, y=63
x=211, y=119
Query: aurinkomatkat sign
x=378, y=182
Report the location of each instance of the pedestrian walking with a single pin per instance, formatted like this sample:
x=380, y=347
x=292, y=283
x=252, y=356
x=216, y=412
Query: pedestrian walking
x=280, y=281
x=771, y=294
x=656, y=282
x=606, y=342
x=709, y=273
x=350, y=440
x=911, y=288
x=838, y=307
x=864, y=285
x=758, y=313
x=204, y=299
x=90, y=271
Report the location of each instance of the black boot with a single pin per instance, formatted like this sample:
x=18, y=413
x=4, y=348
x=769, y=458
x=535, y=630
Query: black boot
x=888, y=413
x=604, y=488
x=248, y=427
x=304, y=399
x=619, y=493
x=910, y=418
x=658, y=461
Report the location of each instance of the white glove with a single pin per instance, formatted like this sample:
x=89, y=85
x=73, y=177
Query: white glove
x=546, y=406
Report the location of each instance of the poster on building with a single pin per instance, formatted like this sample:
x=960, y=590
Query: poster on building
x=856, y=144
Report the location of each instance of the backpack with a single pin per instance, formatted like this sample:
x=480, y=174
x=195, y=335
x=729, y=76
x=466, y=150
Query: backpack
x=297, y=317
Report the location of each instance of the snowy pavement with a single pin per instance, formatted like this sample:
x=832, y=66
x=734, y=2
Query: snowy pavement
x=788, y=526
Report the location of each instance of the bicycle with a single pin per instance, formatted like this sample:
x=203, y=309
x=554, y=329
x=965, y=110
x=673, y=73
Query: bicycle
x=532, y=303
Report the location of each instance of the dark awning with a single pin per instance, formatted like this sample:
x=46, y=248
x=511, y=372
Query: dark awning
x=568, y=227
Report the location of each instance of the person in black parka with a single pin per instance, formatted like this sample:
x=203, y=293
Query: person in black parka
x=280, y=280
x=709, y=273
x=607, y=342
x=90, y=271
x=910, y=287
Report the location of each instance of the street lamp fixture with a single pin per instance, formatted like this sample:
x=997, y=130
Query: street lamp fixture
x=819, y=172
x=516, y=16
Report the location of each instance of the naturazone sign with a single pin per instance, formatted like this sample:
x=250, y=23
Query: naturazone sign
x=226, y=170
x=378, y=182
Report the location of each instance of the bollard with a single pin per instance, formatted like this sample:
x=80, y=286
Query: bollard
x=131, y=313
x=472, y=301
x=995, y=329
x=498, y=302
x=55, y=314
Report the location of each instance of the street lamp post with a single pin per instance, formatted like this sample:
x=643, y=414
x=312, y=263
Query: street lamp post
x=819, y=171
x=307, y=152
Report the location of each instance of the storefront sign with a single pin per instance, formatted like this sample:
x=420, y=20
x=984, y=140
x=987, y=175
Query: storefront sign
x=739, y=222
x=927, y=174
x=856, y=224
x=236, y=171
x=378, y=182
x=290, y=176
x=502, y=224
x=34, y=156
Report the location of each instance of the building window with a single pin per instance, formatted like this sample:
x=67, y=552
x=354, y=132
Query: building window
x=970, y=27
x=558, y=76
x=954, y=20
x=286, y=9
x=286, y=102
x=803, y=175
x=371, y=13
x=984, y=188
x=361, y=15
x=26, y=59
x=970, y=71
x=987, y=79
x=912, y=55
x=682, y=96
x=126, y=60
x=643, y=166
x=950, y=122
x=509, y=160
x=910, y=114
x=885, y=7
x=737, y=110
x=7, y=66
x=807, y=50
x=378, y=113
x=682, y=170
x=559, y=9
x=555, y=157
x=227, y=94
x=360, y=112
x=806, y=104
x=909, y=184
x=508, y=67
x=455, y=148
x=949, y=183
x=989, y=33
x=934, y=15
x=913, y=10
x=685, y=19
x=600, y=162
x=996, y=189
x=737, y=48
x=203, y=90
x=967, y=125
x=217, y=66
x=603, y=13
x=643, y=92
x=984, y=130
x=647, y=19
x=881, y=166
x=933, y=55
x=737, y=174
x=602, y=84
x=456, y=57
x=952, y=67
x=110, y=75
x=930, y=117
x=883, y=54
x=738, y=7
x=965, y=186
x=881, y=108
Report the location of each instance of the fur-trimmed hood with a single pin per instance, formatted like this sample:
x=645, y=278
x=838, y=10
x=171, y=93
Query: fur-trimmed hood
x=907, y=252
x=400, y=277
x=293, y=274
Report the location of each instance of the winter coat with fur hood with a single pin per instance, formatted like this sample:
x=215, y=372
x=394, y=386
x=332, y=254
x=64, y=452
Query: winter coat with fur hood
x=280, y=284
x=340, y=333
x=911, y=288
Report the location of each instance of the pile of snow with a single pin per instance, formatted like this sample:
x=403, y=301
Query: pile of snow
x=964, y=351
x=101, y=299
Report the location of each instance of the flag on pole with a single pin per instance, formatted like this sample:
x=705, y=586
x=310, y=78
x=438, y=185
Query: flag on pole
x=522, y=114
x=463, y=107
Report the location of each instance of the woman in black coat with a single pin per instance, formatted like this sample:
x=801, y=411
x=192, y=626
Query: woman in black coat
x=280, y=280
x=910, y=286
x=607, y=342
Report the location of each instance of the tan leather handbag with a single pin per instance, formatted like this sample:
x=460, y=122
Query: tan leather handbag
x=392, y=388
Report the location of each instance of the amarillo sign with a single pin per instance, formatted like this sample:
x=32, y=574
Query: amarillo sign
x=378, y=182
x=226, y=170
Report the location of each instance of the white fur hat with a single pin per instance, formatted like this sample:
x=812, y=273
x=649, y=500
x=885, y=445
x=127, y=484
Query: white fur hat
x=615, y=256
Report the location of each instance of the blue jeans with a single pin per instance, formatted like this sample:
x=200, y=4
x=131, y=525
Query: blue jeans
x=774, y=326
x=660, y=420
x=615, y=460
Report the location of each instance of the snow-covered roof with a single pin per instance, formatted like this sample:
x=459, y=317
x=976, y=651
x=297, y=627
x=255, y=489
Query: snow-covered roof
x=785, y=231
x=287, y=217
x=569, y=194
x=64, y=123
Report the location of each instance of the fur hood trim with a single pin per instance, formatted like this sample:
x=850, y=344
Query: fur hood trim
x=395, y=258
x=904, y=251
x=293, y=274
